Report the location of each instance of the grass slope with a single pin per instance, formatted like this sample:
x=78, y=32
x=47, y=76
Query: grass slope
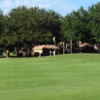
x=69, y=77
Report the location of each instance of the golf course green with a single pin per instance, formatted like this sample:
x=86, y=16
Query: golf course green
x=60, y=77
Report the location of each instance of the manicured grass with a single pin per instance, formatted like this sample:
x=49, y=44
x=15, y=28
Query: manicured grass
x=65, y=77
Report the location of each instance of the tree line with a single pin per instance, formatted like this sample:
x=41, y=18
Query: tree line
x=24, y=26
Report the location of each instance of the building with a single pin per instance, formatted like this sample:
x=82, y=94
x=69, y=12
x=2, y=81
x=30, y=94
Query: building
x=44, y=50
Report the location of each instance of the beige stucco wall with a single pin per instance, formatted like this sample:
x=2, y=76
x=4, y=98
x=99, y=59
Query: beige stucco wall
x=38, y=51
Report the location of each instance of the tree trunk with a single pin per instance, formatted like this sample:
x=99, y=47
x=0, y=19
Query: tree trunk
x=29, y=52
x=7, y=55
x=71, y=46
x=16, y=51
x=63, y=48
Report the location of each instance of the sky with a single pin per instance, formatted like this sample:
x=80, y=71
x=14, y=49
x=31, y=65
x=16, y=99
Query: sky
x=62, y=7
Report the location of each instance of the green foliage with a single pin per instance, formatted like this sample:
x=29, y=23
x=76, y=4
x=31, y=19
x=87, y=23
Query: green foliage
x=31, y=26
x=94, y=12
x=68, y=27
x=83, y=24
x=2, y=26
x=76, y=25
x=1, y=51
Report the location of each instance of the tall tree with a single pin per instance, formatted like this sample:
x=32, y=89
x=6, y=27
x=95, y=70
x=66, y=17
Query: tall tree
x=30, y=26
x=2, y=26
x=94, y=12
x=77, y=27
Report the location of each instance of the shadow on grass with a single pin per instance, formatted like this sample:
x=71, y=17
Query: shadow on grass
x=1, y=56
x=19, y=57
x=15, y=57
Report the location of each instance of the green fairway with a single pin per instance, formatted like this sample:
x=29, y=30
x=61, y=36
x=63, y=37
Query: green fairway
x=65, y=77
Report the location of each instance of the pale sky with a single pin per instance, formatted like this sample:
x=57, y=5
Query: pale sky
x=62, y=7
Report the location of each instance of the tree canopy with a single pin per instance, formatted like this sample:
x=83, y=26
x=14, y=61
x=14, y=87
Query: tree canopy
x=2, y=26
x=83, y=24
x=31, y=26
x=24, y=26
